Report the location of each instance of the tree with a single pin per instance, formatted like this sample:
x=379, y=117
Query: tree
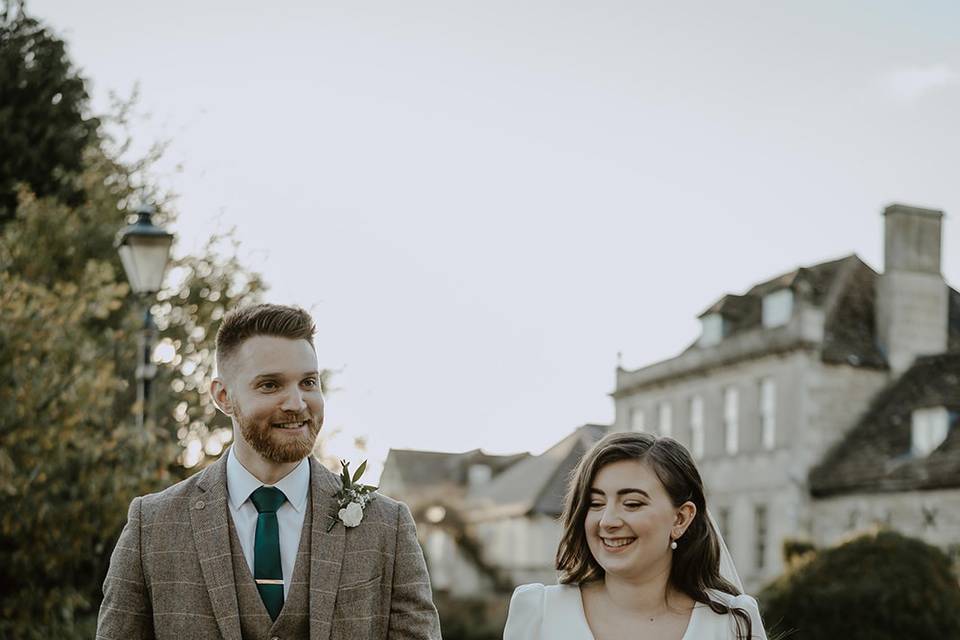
x=71, y=458
x=876, y=587
x=44, y=129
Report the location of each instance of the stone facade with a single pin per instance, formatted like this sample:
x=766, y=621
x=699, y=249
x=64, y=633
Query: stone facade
x=524, y=547
x=796, y=404
x=932, y=516
x=758, y=494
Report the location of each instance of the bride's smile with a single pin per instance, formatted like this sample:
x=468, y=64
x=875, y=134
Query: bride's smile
x=631, y=520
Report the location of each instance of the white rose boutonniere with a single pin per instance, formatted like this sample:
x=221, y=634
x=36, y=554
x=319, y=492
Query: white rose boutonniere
x=351, y=515
x=353, y=498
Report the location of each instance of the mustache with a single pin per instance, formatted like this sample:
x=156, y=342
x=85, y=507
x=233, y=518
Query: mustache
x=293, y=417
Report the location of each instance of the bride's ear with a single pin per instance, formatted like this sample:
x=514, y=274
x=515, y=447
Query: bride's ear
x=685, y=515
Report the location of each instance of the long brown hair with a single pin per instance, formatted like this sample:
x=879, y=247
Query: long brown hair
x=695, y=565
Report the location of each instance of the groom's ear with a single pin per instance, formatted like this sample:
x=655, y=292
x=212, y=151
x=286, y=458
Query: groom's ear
x=221, y=396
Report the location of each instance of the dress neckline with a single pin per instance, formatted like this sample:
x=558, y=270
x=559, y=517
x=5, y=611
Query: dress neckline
x=687, y=634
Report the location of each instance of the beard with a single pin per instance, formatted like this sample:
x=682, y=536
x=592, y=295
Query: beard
x=277, y=447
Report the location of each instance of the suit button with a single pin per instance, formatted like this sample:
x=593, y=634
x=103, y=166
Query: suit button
x=275, y=638
x=199, y=505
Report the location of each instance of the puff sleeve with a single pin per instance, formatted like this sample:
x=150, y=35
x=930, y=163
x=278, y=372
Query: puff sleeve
x=526, y=613
x=748, y=604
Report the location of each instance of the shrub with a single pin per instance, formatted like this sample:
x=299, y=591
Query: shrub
x=876, y=587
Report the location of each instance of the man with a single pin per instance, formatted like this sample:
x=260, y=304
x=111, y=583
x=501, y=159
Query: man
x=251, y=548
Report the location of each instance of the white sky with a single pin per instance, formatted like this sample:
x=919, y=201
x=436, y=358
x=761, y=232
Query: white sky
x=482, y=203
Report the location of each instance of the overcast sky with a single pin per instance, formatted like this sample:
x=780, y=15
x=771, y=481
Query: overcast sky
x=483, y=203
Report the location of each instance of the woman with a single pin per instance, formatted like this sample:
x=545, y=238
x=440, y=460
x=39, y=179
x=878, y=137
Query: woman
x=639, y=557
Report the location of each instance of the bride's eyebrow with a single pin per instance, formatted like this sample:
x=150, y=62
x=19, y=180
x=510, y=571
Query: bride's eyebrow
x=621, y=492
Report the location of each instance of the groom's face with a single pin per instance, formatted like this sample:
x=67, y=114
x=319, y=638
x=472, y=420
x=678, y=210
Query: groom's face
x=271, y=389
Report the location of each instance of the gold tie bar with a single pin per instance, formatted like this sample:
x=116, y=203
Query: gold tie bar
x=264, y=581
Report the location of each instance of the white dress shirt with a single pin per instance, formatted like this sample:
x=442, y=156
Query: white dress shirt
x=295, y=486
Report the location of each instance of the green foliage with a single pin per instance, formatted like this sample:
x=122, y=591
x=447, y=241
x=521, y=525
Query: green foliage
x=471, y=619
x=876, y=587
x=71, y=457
x=43, y=128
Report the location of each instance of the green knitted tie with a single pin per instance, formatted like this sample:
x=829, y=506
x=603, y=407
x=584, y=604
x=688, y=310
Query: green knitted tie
x=267, y=571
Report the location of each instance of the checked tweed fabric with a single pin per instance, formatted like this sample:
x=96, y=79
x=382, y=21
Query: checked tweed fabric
x=294, y=619
x=171, y=574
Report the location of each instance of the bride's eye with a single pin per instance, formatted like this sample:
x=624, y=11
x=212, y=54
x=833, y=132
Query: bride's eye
x=595, y=504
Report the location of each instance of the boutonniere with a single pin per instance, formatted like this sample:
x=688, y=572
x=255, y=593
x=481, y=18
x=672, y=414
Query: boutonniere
x=353, y=498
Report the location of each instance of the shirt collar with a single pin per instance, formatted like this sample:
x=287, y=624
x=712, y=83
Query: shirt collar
x=241, y=483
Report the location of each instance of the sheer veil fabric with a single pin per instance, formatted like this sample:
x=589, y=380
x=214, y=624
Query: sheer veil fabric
x=728, y=570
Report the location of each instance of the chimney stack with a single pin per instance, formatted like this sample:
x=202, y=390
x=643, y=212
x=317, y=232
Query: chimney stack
x=911, y=293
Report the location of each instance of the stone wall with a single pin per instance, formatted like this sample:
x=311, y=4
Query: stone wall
x=816, y=404
x=932, y=516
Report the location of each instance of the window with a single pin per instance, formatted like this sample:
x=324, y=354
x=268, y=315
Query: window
x=636, y=419
x=928, y=430
x=665, y=425
x=478, y=474
x=696, y=427
x=723, y=521
x=777, y=308
x=731, y=410
x=760, y=550
x=768, y=409
x=711, y=329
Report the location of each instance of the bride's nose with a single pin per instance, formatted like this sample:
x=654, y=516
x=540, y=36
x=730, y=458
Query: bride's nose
x=610, y=519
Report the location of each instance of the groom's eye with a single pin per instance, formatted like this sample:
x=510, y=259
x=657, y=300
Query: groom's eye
x=268, y=386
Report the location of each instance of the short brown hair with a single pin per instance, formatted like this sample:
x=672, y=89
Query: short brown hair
x=243, y=323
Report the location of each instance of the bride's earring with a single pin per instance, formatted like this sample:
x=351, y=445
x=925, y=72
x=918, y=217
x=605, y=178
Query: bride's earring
x=673, y=544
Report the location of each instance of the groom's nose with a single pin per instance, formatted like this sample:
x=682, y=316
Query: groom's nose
x=293, y=401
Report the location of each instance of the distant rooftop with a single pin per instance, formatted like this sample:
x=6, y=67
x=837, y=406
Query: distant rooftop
x=537, y=484
x=428, y=468
x=875, y=456
x=842, y=289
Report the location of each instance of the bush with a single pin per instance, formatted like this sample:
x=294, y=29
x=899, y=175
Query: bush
x=875, y=587
x=472, y=619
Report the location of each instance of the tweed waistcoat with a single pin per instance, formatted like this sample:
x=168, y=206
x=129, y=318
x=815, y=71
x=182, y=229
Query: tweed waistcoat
x=174, y=576
x=294, y=618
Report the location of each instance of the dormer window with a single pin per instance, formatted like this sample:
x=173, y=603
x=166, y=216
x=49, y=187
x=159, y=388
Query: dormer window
x=777, y=308
x=928, y=430
x=711, y=329
x=479, y=474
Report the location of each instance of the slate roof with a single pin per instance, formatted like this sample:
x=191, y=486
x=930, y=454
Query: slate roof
x=875, y=455
x=845, y=289
x=426, y=469
x=537, y=484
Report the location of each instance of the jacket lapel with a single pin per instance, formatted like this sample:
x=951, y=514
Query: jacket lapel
x=211, y=533
x=326, y=551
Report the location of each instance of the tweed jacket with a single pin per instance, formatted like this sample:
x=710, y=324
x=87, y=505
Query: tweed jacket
x=171, y=573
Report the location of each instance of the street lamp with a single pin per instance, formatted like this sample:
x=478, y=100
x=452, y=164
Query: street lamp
x=144, y=251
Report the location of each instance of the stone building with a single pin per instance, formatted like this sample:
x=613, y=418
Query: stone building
x=435, y=486
x=782, y=379
x=817, y=403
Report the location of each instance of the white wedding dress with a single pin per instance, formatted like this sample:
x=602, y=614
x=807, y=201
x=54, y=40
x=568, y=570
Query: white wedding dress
x=556, y=613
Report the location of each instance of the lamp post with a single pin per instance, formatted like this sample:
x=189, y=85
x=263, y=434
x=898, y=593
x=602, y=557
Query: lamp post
x=144, y=251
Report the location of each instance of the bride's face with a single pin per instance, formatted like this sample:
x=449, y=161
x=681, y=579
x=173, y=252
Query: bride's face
x=631, y=520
